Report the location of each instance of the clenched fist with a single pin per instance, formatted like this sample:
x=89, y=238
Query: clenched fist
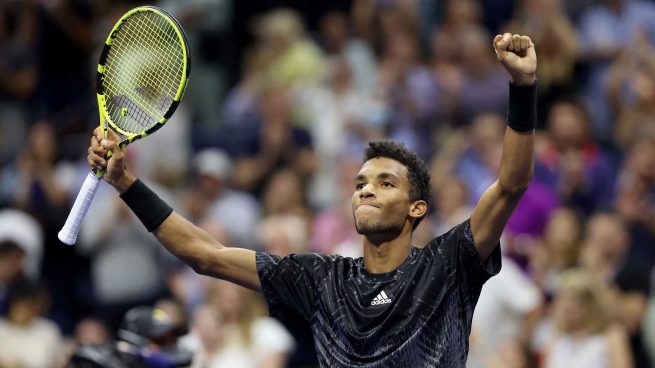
x=518, y=56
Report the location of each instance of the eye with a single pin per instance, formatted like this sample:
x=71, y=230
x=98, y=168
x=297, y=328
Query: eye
x=359, y=186
x=386, y=184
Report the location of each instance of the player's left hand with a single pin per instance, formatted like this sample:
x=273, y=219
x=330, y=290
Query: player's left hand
x=518, y=56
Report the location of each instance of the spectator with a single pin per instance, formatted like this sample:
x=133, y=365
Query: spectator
x=34, y=184
x=27, y=339
x=285, y=194
x=606, y=253
x=18, y=73
x=445, y=51
x=483, y=77
x=279, y=143
x=292, y=59
x=451, y=199
x=581, y=332
x=12, y=258
x=207, y=332
x=412, y=92
x=283, y=234
x=240, y=337
x=558, y=251
x=572, y=164
x=211, y=197
x=338, y=43
x=635, y=200
x=147, y=338
x=88, y=331
x=630, y=89
x=126, y=269
x=604, y=29
x=21, y=228
x=478, y=156
x=505, y=314
x=342, y=120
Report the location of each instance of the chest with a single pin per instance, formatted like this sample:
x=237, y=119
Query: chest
x=357, y=306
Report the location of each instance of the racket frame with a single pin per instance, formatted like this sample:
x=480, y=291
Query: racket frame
x=102, y=99
x=68, y=233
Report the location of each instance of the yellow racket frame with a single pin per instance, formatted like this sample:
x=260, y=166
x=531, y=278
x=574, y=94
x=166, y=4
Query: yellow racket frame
x=102, y=99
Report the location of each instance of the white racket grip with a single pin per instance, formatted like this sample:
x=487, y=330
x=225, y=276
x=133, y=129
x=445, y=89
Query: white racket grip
x=68, y=233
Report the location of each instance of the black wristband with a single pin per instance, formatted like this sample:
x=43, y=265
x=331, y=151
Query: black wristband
x=522, y=109
x=146, y=205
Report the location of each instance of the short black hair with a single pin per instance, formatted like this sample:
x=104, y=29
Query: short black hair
x=418, y=175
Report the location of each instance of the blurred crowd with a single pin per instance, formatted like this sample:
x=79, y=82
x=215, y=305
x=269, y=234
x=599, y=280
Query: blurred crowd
x=283, y=97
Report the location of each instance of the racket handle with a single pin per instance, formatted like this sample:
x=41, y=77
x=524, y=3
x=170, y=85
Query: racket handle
x=68, y=233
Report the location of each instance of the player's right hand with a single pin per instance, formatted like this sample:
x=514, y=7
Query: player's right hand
x=114, y=167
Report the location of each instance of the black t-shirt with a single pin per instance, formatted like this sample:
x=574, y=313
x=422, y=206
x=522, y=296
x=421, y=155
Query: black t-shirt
x=416, y=316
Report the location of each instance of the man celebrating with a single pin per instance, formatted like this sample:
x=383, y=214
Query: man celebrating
x=398, y=305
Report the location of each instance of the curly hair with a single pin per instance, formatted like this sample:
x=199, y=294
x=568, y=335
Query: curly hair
x=418, y=175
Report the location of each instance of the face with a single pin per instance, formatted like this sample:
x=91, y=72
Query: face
x=562, y=231
x=567, y=125
x=381, y=203
x=572, y=310
x=90, y=331
x=607, y=235
x=208, y=324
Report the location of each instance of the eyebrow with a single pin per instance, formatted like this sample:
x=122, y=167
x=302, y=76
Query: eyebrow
x=382, y=175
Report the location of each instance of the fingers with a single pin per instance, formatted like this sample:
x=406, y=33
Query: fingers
x=526, y=42
x=111, y=136
x=95, y=157
x=102, y=148
x=515, y=45
x=501, y=42
x=511, y=42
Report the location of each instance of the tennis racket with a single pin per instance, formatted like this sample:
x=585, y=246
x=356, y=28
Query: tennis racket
x=142, y=75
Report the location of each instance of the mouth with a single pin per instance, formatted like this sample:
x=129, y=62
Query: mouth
x=366, y=205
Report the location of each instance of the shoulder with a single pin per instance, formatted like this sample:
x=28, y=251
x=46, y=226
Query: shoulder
x=457, y=234
x=312, y=262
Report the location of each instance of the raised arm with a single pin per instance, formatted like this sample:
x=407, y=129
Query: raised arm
x=496, y=205
x=182, y=238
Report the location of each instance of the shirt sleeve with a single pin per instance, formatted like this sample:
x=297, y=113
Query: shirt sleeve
x=289, y=283
x=457, y=248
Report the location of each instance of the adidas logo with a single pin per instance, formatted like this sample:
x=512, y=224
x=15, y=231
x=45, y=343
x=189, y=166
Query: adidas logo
x=382, y=298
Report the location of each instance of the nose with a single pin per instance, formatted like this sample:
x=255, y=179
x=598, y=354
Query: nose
x=366, y=191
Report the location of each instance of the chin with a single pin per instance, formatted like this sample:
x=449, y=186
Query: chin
x=374, y=228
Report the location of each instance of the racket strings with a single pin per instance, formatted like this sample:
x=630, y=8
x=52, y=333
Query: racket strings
x=143, y=72
x=149, y=74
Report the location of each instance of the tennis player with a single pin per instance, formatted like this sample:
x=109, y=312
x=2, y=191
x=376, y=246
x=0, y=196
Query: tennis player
x=398, y=306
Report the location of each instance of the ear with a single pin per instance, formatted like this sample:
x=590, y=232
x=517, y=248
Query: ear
x=418, y=209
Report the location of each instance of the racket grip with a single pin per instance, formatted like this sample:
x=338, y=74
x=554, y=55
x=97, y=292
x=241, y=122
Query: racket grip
x=68, y=233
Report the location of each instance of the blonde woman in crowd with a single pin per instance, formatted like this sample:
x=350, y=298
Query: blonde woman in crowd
x=581, y=332
x=230, y=330
x=559, y=250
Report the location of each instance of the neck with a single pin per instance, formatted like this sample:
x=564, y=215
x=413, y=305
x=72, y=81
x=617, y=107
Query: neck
x=384, y=253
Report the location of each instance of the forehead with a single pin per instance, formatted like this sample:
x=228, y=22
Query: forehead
x=378, y=165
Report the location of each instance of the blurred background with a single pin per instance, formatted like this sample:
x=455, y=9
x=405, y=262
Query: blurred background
x=283, y=97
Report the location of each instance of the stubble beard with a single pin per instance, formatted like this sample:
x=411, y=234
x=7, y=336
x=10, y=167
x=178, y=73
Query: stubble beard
x=372, y=227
